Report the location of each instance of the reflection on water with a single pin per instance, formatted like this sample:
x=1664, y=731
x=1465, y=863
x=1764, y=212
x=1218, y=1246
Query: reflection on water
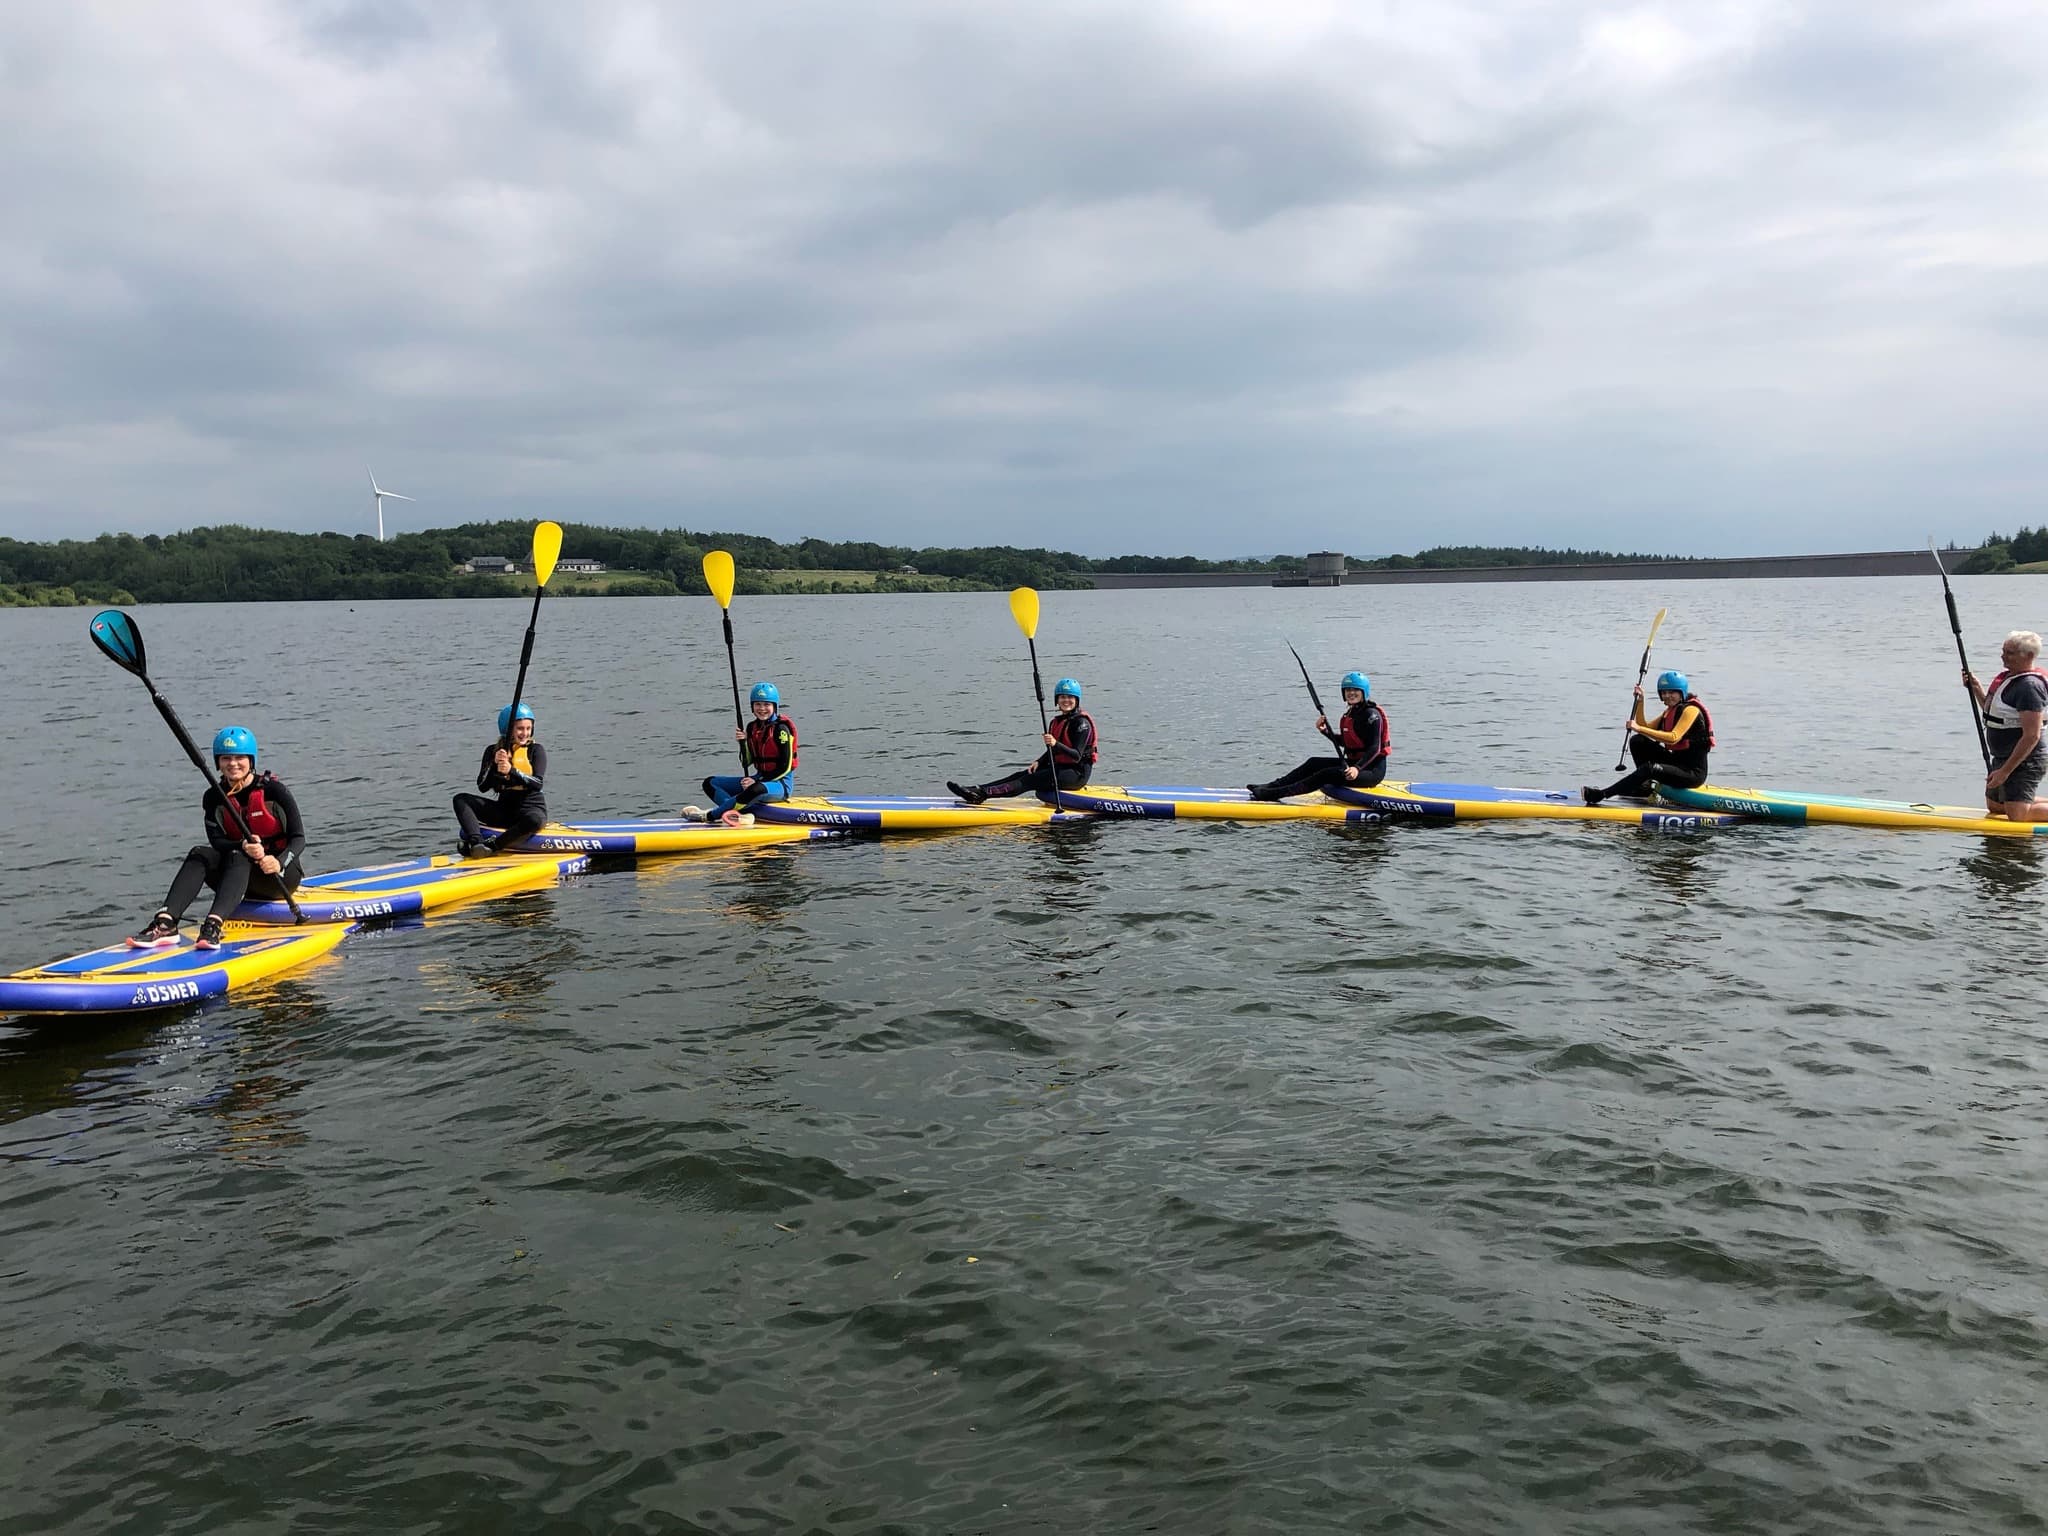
x=2007, y=867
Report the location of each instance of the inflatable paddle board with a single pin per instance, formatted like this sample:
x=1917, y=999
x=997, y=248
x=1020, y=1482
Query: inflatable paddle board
x=1847, y=811
x=118, y=979
x=411, y=886
x=1489, y=802
x=667, y=835
x=911, y=813
x=1189, y=803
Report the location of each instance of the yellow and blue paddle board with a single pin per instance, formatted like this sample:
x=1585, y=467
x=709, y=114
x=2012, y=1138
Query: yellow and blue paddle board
x=663, y=835
x=1185, y=802
x=911, y=813
x=1847, y=811
x=1493, y=802
x=122, y=980
x=411, y=886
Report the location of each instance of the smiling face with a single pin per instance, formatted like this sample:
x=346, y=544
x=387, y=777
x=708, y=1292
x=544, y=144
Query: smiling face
x=522, y=733
x=1354, y=695
x=763, y=709
x=1065, y=703
x=234, y=769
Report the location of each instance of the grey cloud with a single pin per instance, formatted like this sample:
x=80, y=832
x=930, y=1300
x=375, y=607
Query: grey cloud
x=1095, y=274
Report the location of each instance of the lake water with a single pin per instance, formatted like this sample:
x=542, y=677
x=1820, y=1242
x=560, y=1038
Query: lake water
x=1190, y=1177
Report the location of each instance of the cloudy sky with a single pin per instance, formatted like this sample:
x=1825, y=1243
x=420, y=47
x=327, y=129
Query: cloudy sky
x=1208, y=276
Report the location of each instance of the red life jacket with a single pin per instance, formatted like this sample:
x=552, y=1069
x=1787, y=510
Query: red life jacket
x=1061, y=731
x=765, y=751
x=1996, y=715
x=1670, y=716
x=265, y=823
x=1353, y=745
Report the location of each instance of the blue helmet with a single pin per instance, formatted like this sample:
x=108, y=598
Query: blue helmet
x=1673, y=680
x=235, y=741
x=1359, y=681
x=510, y=713
x=764, y=693
x=1067, y=686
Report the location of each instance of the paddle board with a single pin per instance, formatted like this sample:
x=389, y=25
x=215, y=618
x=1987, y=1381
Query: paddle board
x=122, y=980
x=1187, y=802
x=910, y=813
x=661, y=836
x=411, y=886
x=1846, y=810
x=1491, y=802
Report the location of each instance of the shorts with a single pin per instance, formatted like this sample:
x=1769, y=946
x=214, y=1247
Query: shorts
x=2022, y=784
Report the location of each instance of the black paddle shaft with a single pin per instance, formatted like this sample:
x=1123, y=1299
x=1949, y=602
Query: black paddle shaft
x=519, y=682
x=1316, y=699
x=1052, y=763
x=732, y=665
x=163, y=707
x=1642, y=671
x=1955, y=625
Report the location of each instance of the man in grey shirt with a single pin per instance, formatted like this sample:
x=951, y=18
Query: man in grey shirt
x=2013, y=703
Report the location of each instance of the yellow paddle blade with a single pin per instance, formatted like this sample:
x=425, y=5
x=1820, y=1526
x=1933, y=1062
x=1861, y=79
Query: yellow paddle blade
x=1024, y=609
x=718, y=576
x=1655, y=624
x=547, y=549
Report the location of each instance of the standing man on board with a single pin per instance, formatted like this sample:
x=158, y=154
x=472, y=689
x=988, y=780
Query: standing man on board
x=2012, y=703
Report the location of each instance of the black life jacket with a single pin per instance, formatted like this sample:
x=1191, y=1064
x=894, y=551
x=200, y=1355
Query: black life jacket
x=1353, y=744
x=264, y=822
x=1061, y=730
x=764, y=746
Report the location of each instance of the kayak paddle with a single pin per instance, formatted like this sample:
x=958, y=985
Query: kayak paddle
x=1642, y=671
x=718, y=576
x=1315, y=699
x=547, y=548
x=1024, y=609
x=120, y=638
x=1956, y=625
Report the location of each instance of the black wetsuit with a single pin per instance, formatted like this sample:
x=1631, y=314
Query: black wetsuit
x=1363, y=738
x=1682, y=764
x=1069, y=763
x=518, y=812
x=219, y=862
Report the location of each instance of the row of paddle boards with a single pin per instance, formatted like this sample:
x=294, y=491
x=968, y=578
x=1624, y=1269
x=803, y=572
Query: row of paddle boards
x=117, y=979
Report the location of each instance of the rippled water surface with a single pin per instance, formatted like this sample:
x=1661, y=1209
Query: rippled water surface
x=1134, y=1176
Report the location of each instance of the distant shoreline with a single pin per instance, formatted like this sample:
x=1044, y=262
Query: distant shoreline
x=1888, y=562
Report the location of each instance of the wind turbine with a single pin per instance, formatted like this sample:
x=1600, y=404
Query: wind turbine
x=378, y=495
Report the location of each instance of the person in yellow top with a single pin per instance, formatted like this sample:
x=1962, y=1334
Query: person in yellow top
x=1671, y=751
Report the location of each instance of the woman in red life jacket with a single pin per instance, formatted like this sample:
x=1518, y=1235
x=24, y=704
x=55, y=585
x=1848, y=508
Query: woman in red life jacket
x=264, y=865
x=1068, y=759
x=768, y=742
x=1673, y=750
x=2013, y=704
x=1362, y=743
x=516, y=766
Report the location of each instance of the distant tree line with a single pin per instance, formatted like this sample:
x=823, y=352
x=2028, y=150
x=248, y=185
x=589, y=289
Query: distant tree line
x=238, y=564
x=2001, y=552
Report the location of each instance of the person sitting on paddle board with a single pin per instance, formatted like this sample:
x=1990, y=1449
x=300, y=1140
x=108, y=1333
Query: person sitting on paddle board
x=1671, y=751
x=513, y=766
x=1363, y=742
x=263, y=866
x=2013, y=703
x=768, y=743
x=1068, y=759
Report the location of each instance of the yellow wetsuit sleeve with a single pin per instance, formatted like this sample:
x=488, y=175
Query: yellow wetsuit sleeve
x=1678, y=729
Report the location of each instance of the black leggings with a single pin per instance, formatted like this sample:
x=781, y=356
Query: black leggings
x=1327, y=773
x=1654, y=766
x=1037, y=781
x=514, y=824
x=233, y=878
